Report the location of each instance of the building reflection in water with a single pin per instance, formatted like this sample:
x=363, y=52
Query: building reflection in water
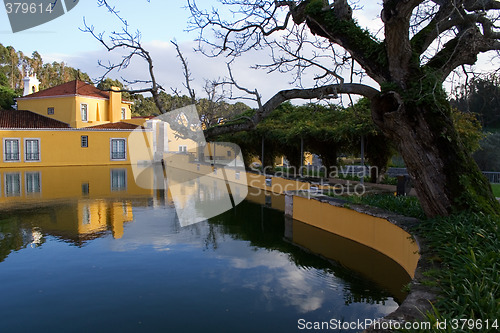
x=75, y=204
x=79, y=203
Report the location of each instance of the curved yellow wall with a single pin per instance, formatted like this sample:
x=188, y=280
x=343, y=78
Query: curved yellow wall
x=371, y=231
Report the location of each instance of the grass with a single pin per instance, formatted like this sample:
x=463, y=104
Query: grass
x=496, y=190
x=466, y=246
x=407, y=206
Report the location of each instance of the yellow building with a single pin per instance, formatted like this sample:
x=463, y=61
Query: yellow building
x=77, y=124
x=29, y=139
x=76, y=103
x=70, y=124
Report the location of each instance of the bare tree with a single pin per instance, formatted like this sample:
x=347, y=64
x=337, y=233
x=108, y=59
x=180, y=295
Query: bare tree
x=130, y=42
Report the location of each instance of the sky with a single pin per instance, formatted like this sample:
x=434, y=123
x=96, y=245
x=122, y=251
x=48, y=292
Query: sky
x=159, y=21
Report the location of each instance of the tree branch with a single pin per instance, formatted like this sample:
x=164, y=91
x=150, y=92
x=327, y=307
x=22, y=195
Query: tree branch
x=187, y=74
x=324, y=92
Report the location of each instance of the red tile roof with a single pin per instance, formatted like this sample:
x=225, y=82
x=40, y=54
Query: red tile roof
x=117, y=125
x=75, y=87
x=27, y=119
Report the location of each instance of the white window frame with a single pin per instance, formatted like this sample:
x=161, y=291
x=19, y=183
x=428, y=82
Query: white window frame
x=82, y=105
x=5, y=175
x=182, y=149
x=5, y=151
x=25, y=150
x=124, y=113
x=111, y=149
x=86, y=142
x=125, y=184
x=26, y=189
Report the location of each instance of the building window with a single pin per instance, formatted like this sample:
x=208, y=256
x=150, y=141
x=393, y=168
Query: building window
x=118, y=180
x=85, y=189
x=33, y=183
x=32, y=150
x=11, y=150
x=182, y=149
x=12, y=184
x=124, y=113
x=85, y=141
x=50, y=110
x=84, y=112
x=118, y=149
x=228, y=153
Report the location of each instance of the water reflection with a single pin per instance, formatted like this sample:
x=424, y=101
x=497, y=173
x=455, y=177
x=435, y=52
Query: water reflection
x=355, y=256
x=240, y=271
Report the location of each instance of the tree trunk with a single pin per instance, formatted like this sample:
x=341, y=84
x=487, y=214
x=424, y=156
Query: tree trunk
x=445, y=176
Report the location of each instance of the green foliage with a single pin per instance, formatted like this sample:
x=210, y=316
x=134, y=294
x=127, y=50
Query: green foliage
x=359, y=39
x=467, y=245
x=496, y=190
x=7, y=96
x=469, y=129
x=482, y=97
x=488, y=156
x=327, y=130
x=57, y=73
x=210, y=111
x=426, y=89
x=4, y=81
x=15, y=64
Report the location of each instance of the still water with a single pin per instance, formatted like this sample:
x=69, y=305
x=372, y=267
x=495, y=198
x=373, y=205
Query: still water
x=78, y=255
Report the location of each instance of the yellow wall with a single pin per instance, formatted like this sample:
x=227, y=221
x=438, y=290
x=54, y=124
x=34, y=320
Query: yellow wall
x=374, y=232
x=67, y=109
x=64, y=107
x=174, y=141
x=96, y=109
x=63, y=147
